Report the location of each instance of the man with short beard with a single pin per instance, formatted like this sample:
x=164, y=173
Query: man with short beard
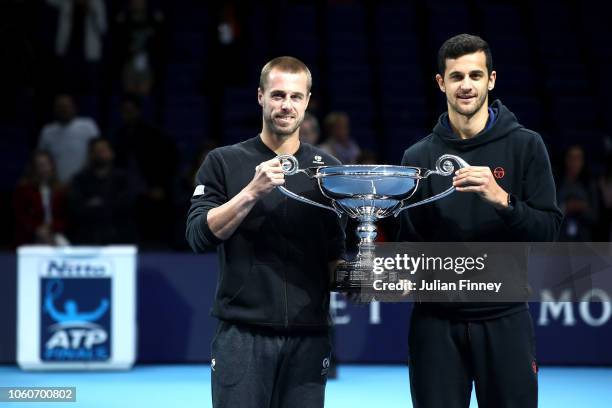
x=508, y=194
x=271, y=347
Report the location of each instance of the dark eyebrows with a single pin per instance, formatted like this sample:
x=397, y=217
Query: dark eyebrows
x=281, y=92
x=460, y=74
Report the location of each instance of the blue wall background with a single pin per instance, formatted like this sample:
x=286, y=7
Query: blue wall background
x=175, y=292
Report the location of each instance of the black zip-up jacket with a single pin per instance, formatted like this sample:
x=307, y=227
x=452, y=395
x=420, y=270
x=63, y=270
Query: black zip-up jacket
x=520, y=160
x=274, y=268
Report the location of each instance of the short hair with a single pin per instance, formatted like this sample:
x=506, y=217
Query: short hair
x=461, y=45
x=285, y=64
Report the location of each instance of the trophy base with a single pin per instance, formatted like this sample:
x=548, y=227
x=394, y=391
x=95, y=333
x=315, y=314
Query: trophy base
x=359, y=277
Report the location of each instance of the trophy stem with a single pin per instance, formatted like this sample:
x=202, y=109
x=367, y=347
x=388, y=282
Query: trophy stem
x=366, y=193
x=367, y=232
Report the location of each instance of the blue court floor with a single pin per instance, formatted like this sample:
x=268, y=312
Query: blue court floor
x=188, y=386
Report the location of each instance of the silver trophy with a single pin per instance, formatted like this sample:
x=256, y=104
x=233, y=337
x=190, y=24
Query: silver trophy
x=367, y=193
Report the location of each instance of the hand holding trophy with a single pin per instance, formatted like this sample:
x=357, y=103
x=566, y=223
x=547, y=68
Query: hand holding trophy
x=367, y=193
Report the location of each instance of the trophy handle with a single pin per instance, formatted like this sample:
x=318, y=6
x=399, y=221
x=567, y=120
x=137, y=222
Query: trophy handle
x=444, y=167
x=290, y=167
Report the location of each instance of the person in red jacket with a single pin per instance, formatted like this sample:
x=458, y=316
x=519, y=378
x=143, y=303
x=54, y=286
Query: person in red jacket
x=39, y=203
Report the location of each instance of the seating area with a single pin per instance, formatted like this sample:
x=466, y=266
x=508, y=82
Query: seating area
x=376, y=61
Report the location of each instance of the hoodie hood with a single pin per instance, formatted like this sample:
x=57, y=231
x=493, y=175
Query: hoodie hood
x=504, y=123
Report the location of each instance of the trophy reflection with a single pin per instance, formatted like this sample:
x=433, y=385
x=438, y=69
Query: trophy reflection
x=367, y=193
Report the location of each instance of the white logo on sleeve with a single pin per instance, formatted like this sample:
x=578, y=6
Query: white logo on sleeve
x=199, y=190
x=317, y=160
x=325, y=364
x=213, y=362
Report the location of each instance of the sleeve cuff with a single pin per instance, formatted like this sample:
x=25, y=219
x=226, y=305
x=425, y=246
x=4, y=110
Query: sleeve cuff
x=511, y=214
x=206, y=231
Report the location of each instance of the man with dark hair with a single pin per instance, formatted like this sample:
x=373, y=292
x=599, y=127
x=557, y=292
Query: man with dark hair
x=271, y=347
x=101, y=200
x=453, y=345
x=461, y=45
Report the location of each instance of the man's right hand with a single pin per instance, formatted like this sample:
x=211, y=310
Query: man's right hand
x=224, y=219
x=268, y=175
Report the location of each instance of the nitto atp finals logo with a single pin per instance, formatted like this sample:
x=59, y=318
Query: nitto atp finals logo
x=76, y=313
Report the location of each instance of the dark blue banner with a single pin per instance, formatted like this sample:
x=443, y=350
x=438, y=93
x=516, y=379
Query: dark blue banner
x=75, y=322
x=175, y=293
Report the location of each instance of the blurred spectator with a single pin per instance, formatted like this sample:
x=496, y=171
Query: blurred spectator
x=310, y=131
x=232, y=45
x=81, y=25
x=101, y=200
x=577, y=198
x=140, y=46
x=314, y=104
x=151, y=157
x=39, y=204
x=67, y=138
x=604, y=185
x=339, y=142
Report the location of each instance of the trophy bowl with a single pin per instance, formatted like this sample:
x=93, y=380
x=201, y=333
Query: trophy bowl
x=367, y=193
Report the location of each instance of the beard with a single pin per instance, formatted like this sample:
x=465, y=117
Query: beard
x=469, y=111
x=282, y=131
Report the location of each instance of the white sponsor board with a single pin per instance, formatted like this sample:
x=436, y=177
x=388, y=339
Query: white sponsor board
x=76, y=307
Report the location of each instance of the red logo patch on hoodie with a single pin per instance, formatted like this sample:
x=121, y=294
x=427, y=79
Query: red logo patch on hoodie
x=499, y=172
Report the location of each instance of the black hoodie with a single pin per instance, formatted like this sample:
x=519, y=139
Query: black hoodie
x=274, y=267
x=518, y=158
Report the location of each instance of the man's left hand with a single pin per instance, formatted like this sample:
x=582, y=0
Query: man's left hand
x=480, y=180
